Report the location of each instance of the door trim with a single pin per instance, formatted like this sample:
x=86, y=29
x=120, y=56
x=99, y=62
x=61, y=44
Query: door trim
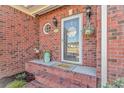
x=80, y=16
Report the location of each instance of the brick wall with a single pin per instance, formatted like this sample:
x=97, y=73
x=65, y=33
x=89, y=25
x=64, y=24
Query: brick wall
x=98, y=46
x=18, y=36
x=52, y=41
x=115, y=42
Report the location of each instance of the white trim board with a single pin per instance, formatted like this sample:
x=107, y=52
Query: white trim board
x=80, y=37
x=39, y=11
x=103, y=45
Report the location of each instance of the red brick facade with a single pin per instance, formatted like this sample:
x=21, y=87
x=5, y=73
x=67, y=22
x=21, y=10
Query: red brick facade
x=98, y=46
x=18, y=37
x=115, y=42
x=115, y=39
x=20, y=33
x=52, y=41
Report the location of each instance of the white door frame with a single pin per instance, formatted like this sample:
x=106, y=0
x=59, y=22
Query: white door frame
x=80, y=37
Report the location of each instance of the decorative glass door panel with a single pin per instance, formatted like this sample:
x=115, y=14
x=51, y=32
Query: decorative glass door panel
x=71, y=38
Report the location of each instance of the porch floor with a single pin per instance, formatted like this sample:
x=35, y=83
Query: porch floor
x=69, y=67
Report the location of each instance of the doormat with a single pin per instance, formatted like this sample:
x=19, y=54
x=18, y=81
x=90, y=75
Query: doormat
x=65, y=66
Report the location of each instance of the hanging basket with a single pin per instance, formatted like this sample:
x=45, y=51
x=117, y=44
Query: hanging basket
x=89, y=31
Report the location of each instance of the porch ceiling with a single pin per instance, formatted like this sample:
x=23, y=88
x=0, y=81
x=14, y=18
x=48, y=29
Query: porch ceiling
x=35, y=9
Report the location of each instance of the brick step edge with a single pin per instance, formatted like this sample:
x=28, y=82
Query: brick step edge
x=35, y=84
x=57, y=81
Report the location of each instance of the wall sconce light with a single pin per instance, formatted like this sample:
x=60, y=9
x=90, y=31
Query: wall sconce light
x=89, y=29
x=55, y=22
x=88, y=12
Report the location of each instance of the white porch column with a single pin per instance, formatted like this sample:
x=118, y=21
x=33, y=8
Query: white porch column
x=103, y=45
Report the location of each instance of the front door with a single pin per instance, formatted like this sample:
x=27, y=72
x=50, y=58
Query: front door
x=72, y=39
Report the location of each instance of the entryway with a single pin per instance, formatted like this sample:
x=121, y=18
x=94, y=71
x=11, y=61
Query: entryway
x=72, y=39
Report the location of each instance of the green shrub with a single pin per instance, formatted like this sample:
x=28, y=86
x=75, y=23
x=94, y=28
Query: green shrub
x=119, y=83
x=108, y=85
x=16, y=84
x=21, y=76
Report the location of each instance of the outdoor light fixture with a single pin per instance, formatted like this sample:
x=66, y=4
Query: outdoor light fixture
x=89, y=29
x=55, y=22
x=88, y=12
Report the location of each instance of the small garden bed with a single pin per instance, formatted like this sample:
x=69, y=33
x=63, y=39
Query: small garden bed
x=16, y=84
x=20, y=80
x=119, y=83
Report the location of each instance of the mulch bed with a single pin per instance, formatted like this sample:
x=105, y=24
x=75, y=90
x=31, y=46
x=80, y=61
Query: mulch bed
x=5, y=81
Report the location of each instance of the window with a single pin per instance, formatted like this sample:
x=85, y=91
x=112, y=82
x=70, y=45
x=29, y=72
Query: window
x=47, y=28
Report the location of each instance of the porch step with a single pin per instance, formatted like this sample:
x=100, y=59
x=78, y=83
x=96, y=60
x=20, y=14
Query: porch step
x=35, y=84
x=57, y=81
x=54, y=77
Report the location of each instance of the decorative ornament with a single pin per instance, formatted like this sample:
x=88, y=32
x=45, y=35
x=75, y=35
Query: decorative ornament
x=47, y=56
x=56, y=30
x=47, y=28
x=38, y=54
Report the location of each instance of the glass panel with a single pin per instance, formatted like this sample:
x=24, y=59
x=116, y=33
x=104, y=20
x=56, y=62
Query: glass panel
x=71, y=40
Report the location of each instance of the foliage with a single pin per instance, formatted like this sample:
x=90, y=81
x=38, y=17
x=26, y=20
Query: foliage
x=21, y=76
x=119, y=83
x=16, y=84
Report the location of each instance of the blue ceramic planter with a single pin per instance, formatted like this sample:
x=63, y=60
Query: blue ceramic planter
x=47, y=57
